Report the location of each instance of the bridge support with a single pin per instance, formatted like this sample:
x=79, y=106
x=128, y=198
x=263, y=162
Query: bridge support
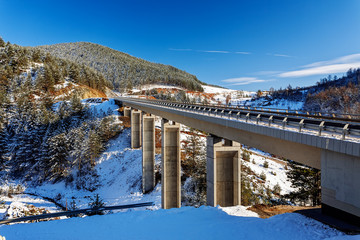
x=170, y=156
x=223, y=167
x=148, y=153
x=127, y=112
x=135, y=128
x=340, y=185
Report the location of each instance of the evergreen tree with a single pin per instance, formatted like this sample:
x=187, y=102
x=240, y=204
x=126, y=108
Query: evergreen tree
x=58, y=162
x=194, y=166
x=2, y=43
x=3, y=146
x=307, y=181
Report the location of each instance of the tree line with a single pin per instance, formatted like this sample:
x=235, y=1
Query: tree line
x=123, y=70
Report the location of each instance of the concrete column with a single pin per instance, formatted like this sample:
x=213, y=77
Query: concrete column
x=170, y=175
x=340, y=185
x=148, y=153
x=135, y=128
x=223, y=167
x=127, y=112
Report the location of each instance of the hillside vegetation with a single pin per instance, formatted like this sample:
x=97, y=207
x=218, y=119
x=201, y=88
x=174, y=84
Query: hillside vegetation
x=43, y=71
x=330, y=94
x=123, y=70
x=42, y=141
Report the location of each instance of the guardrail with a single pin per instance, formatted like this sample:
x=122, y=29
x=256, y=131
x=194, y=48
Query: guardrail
x=349, y=125
x=71, y=213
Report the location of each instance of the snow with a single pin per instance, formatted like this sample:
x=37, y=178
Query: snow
x=65, y=84
x=152, y=86
x=120, y=170
x=17, y=204
x=213, y=89
x=275, y=172
x=98, y=105
x=240, y=211
x=182, y=223
x=276, y=104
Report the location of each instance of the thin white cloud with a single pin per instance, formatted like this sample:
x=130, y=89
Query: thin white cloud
x=268, y=73
x=279, y=55
x=282, y=55
x=337, y=65
x=344, y=59
x=245, y=53
x=213, y=51
x=322, y=70
x=243, y=81
x=180, y=49
x=206, y=51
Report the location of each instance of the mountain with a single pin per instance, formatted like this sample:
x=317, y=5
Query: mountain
x=123, y=70
x=38, y=74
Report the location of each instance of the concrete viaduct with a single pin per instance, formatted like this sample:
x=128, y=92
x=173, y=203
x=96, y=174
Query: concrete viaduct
x=338, y=158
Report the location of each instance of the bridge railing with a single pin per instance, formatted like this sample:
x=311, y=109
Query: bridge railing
x=345, y=126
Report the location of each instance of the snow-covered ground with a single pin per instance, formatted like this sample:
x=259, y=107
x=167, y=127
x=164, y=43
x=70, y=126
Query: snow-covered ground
x=183, y=223
x=212, y=94
x=17, y=205
x=275, y=172
x=276, y=104
x=120, y=170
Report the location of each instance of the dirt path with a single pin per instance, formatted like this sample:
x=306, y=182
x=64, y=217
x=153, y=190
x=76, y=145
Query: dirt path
x=268, y=211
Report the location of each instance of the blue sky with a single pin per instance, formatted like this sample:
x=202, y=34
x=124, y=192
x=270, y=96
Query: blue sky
x=240, y=44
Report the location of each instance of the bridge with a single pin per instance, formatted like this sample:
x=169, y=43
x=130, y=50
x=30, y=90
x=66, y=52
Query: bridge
x=323, y=141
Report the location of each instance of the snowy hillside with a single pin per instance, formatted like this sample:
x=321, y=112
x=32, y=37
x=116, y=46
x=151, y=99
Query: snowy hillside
x=210, y=95
x=119, y=170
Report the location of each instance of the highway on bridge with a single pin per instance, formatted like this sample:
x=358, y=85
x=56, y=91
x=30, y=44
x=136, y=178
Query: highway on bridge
x=326, y=141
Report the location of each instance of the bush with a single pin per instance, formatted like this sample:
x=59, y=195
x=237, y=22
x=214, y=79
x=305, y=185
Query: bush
x=277, y=189
x=266, y=164
x=96, y=203
x=263, y=176
x=245, y=155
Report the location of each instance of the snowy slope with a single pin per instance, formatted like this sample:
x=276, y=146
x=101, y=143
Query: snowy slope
x=183, y=223
x=120, y=170
x=276, y=104
x=212, y=94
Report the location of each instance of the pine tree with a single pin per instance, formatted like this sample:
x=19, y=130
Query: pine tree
x=2, y=43
x=76, y=105
x=95, y=146
x=3, y=146
x=307, y=182
x=194, y=166
x=58, y=151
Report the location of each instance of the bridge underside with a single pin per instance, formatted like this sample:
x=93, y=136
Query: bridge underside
x=339, y=161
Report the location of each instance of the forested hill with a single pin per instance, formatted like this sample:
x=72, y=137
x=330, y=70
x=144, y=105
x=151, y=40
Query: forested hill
x=40, y=74
x=123, y=70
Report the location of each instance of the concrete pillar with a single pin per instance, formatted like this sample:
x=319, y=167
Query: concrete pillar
x=127, y=112
x=170, y=156
x=148, y=153
x=135, y=128
x=223, y=167
x=340, y=185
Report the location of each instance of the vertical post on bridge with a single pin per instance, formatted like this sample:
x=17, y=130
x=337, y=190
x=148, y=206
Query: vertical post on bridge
x=148, y=153
x=223, y=167
x=170, y=156
x=127, y=112
x=135, y=128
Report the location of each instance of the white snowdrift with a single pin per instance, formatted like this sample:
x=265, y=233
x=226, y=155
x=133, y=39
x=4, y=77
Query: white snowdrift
x=183, y=223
